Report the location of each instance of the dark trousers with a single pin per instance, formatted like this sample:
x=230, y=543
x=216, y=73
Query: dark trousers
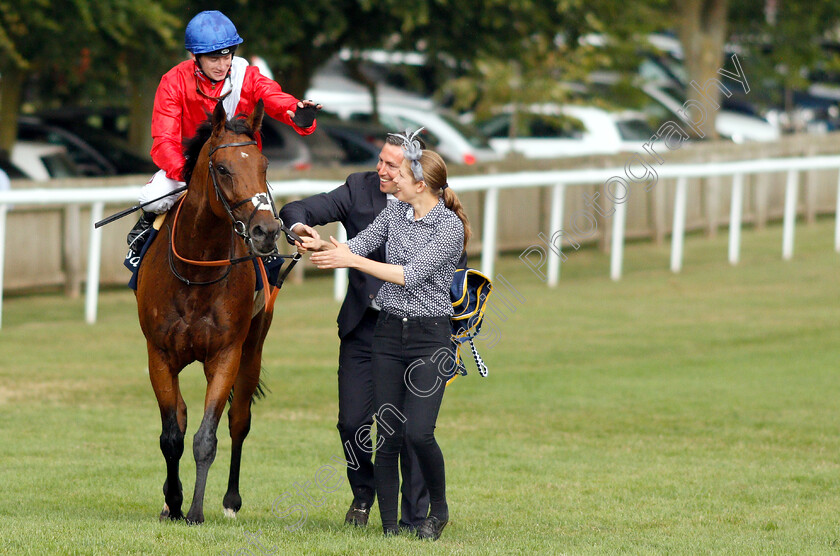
x=408, y=354
x=355, y=410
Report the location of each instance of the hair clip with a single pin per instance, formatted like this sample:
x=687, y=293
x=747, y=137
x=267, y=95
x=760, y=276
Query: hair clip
x=412, y=151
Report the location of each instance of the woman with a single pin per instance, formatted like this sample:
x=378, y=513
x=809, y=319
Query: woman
x=425, y=233
x=189, y=92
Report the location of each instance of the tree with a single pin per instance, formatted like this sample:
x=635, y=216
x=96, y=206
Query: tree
x=784, y=42
x=702, y=27
x=75, y=47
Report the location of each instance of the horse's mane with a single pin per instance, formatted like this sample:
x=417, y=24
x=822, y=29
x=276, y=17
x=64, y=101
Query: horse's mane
x=193, y=145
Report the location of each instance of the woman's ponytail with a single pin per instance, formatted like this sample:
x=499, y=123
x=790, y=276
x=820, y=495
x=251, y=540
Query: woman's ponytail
x=434, y=174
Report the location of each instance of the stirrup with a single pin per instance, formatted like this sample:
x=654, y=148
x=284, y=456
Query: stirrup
x=139, y=233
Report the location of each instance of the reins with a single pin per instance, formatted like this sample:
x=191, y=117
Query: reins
x=239, y=228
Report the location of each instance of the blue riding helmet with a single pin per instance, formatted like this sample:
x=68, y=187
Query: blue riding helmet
x=210, y=31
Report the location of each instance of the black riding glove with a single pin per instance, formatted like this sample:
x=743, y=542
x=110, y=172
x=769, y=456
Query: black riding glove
x=305, y=117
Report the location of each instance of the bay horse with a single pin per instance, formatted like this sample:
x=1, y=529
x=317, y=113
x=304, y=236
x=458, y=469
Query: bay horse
x=196, y=304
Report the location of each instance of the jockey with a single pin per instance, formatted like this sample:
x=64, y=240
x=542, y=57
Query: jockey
x=189, y=92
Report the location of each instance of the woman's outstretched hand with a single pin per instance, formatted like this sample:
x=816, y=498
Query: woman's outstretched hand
x=336, y=255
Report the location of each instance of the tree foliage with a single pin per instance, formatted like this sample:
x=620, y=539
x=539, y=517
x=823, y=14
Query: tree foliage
x=75, y=51
x=785, y=45
x=65, y=52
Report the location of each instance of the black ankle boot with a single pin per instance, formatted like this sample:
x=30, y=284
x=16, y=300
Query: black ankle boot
x=431, y=528
x=139, y=233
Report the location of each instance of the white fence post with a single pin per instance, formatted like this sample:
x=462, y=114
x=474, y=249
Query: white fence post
x=790, y=214
x=3, y=209
x=837, y=218
x=735, y=218
x=341, y=274
x=678, y=232
x=488, y=240
x=558, y=194
x=94, y=257
x=617, y=247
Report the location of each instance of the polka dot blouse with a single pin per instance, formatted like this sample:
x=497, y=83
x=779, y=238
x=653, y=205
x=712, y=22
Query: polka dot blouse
x=428, y=249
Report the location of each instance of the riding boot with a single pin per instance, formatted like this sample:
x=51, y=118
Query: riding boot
x=139, y=233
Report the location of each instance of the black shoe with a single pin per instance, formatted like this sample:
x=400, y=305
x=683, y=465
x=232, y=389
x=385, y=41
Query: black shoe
x=139, y=233
x=358, y=514
x=431, y=528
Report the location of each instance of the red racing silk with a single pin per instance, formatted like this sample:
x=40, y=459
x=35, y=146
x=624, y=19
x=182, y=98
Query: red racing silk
x=180, y=108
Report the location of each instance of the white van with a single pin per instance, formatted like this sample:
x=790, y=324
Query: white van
x=454, y=141
x=553, y=131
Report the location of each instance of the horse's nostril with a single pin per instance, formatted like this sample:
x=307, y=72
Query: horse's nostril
x=258, y=232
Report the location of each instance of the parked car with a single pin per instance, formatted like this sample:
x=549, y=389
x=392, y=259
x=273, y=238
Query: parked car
x=43, y=161
x=283, y=147
x=737, y=126
x=442, y=132
x=113, y=146
x=352, y=142
x=12, y=171
x=660, y=101
x=88, y=160
x=552, y=131
x=335, y=142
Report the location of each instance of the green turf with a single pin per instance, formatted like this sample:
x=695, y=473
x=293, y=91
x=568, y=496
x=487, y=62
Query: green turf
x=663, y=414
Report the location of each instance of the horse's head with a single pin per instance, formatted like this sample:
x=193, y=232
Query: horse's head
x=238, y=173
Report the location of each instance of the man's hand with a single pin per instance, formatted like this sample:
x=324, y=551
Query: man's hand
x=311, y=239
x=304, y=116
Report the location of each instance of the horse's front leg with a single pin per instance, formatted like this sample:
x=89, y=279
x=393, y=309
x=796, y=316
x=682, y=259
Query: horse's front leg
x=239, y=415
x=173, y=416
x=221, y=372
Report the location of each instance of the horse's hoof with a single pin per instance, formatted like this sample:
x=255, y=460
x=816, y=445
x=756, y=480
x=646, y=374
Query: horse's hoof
x=166, y=515
x=195, y=519
x=230, y=513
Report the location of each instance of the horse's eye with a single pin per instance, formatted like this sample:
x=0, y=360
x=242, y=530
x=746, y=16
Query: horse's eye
x=222, y=170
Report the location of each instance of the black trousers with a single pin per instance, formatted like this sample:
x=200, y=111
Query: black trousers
x=355, y=410
x=408, y=359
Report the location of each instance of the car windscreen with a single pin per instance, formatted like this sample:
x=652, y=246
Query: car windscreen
x=473, y=136
x=59, y=165
x=634, y=130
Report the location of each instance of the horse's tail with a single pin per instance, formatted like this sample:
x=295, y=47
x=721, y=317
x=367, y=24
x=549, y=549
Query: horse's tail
x=261, y=392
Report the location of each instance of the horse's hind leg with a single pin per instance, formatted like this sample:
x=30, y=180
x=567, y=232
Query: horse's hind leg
x=239, y=415
x=173, y=415
x=220, y=371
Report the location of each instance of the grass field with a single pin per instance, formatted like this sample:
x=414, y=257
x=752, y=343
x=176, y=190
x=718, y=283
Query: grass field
x=662, y=414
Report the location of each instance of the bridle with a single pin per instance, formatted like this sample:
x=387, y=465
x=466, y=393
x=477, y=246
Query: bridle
x=261, y=201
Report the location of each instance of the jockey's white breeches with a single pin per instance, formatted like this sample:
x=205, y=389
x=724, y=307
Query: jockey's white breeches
x=159, y=185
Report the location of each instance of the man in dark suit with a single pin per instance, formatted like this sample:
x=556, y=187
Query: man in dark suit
x=355, y=204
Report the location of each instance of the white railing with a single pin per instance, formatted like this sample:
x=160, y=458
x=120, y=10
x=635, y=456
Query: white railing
x=97, y=198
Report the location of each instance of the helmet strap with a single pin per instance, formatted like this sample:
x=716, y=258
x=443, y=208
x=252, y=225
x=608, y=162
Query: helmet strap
x=210, y=79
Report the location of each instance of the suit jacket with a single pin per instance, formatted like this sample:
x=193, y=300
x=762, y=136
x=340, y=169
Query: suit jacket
x=355, y=204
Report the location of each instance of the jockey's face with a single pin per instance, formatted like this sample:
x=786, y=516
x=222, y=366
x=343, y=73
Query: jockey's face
x=215, y=67
x=388, y=167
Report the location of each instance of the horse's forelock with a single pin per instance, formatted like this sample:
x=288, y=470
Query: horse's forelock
x=193, y=145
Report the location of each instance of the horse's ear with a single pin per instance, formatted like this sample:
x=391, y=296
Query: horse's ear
x=219, y=118
x=256, y=118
